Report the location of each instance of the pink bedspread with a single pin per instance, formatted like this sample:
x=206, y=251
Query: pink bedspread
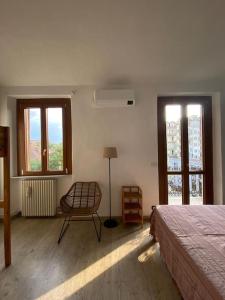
x=192, y=243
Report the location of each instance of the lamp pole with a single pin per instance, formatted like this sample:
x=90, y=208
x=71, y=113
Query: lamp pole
x=110, y=223
x=110, y=199
x=110, y=152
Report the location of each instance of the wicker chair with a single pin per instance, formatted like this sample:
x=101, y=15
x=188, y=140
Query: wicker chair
x=82, y=199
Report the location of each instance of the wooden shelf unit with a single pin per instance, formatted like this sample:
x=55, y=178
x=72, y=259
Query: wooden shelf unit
x=5, y=202
x=132, y=204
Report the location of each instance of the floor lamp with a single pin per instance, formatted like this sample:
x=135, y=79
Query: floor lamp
x=110, y=152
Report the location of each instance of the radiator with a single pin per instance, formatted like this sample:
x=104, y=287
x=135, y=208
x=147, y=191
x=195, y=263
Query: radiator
x=38, y=197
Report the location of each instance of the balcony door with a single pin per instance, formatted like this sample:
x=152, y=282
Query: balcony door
x=185, y=150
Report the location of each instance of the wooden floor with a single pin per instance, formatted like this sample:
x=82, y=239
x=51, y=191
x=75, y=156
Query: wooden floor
x=125, y=265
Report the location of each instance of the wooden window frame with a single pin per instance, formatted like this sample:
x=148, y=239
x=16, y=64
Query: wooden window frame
x=43, y=104
x=206, y=102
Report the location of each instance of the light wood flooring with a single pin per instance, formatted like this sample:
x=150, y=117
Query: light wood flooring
x=125, y=265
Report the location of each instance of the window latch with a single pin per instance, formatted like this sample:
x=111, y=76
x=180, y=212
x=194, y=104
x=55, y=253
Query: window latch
x=44, y=152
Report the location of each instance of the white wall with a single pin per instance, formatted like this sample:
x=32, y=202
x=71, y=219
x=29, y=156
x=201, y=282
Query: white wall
x=217, y=150
x=133, y=131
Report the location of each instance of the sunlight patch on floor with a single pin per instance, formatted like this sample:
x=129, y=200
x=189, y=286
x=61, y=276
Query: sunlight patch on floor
x=148, y=254
x=80, y=280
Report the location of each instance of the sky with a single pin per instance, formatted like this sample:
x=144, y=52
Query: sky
x=54, y=124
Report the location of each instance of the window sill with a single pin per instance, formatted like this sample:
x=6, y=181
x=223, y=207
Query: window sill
x=39, y=176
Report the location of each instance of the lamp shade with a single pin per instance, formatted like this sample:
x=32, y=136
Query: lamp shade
x=110, y=152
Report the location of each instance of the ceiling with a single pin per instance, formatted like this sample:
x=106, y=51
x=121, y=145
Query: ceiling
x=82, y=42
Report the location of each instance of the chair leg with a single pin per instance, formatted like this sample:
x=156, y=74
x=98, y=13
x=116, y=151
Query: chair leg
x=98, y=233
x=65, y=225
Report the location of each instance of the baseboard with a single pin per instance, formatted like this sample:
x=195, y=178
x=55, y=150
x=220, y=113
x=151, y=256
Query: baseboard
x=14, y=214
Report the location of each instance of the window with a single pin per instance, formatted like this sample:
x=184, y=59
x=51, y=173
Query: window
x=185, y=164
x=44, y=137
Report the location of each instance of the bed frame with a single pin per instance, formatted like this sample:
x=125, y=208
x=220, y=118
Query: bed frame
x=5, y=203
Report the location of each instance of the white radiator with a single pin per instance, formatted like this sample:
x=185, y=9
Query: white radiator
x=38, y=197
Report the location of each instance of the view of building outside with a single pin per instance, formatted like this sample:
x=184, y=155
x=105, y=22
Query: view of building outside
x=173, y=134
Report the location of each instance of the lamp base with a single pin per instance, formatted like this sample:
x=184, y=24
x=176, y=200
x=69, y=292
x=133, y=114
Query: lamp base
x=110, y=223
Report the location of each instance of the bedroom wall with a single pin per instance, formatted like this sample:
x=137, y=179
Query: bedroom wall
x=133, y=131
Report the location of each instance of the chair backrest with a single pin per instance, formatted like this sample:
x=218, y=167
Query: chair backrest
x=83, y=195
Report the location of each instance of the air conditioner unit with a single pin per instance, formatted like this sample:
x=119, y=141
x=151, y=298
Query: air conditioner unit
x=114, y=98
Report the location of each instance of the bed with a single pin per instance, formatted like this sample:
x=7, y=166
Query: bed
x=192, y=244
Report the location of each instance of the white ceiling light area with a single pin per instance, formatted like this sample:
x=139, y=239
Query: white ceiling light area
x=86, y=42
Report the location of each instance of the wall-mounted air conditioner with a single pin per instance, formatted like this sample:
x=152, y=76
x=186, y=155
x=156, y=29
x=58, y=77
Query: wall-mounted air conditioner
x=114, y=98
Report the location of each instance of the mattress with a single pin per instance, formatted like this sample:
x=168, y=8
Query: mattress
x=192, y=243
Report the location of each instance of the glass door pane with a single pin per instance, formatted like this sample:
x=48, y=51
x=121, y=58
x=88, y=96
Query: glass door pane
x=32, y=117
x=174, y=189
x=54, y=139
x=194, y=113
x=173, y=137
x=196, y=189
